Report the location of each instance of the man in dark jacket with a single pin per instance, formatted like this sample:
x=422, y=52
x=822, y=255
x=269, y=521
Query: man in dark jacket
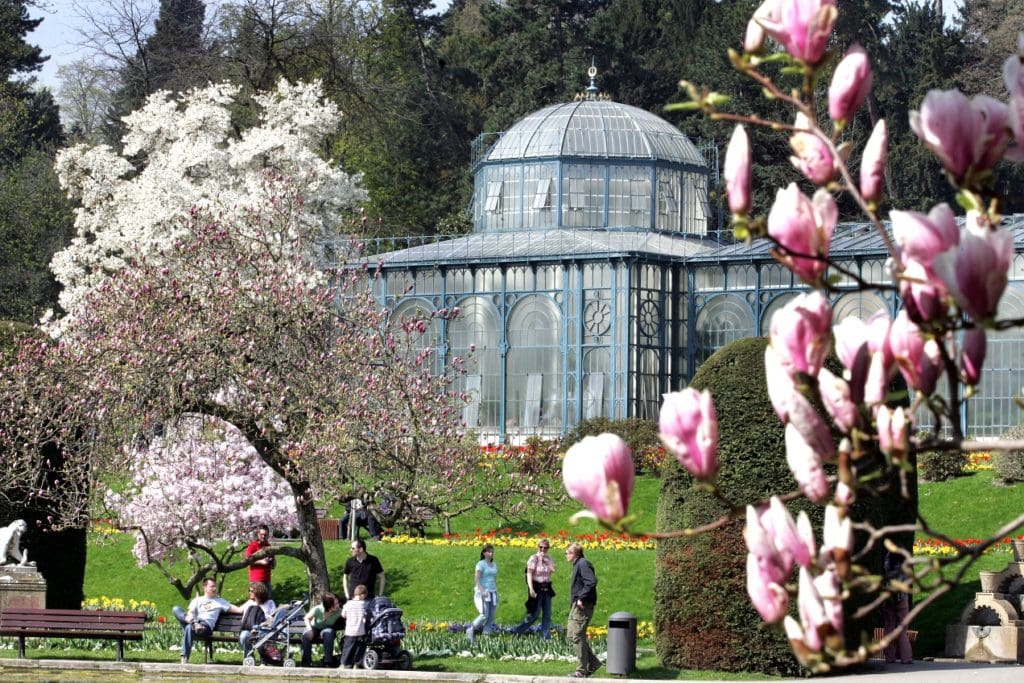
x=582, y=598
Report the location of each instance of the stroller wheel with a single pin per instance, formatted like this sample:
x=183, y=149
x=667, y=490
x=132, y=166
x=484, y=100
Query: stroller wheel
x=371, y=659
x=289, y=663
x=405, y=660
x=249, y=661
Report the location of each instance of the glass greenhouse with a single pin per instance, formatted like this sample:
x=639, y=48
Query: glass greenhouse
x=593, y=281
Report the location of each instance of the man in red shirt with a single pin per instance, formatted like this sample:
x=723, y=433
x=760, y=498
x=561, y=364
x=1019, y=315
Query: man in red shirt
x=260, y=569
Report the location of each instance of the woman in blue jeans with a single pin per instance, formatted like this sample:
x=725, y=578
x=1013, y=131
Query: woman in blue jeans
x=485, y=594
x=539, y=569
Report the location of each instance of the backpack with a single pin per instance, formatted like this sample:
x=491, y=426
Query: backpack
x=253, y=615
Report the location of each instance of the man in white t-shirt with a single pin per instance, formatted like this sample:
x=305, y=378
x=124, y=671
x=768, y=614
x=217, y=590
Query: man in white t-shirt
x=201, y=616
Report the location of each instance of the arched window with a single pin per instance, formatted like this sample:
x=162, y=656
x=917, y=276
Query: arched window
x=478, y=326
x=534, y=371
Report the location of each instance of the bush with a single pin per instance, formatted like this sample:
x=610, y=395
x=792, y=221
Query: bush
x=639, y=434
x=703, y=617
x=1009, y=465
x=941, y=465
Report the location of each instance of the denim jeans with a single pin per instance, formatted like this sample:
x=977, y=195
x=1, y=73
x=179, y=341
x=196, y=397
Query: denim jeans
x=323, y=635
x=188, y=633
x=484, y=623
x=543, y=608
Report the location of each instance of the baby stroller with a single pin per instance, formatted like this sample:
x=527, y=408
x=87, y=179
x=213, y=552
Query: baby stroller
x=384, y=633
x=271, y=639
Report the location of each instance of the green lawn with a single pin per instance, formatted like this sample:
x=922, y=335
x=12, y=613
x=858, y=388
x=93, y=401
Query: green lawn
x=434, y=583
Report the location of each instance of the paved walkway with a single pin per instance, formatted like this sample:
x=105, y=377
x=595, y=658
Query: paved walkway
x=941, y=671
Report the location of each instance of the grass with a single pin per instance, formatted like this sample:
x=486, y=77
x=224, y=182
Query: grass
x=434, y=583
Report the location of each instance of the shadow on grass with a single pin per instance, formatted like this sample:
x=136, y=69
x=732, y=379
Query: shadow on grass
x=931, y=623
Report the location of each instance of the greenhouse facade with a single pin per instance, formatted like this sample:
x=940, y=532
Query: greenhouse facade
x=593, y=282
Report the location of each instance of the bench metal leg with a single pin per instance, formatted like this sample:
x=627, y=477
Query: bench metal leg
x=21, y=647
x=120, y=649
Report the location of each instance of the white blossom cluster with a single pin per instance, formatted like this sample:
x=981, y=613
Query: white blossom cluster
x=201, y=482
x=182, y=152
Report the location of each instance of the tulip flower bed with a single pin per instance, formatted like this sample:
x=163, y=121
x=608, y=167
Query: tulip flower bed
x=936, y=547
x=978, y=462
x=507, y=538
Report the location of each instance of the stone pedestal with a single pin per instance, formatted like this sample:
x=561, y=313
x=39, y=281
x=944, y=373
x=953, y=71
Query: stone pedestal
x=985, y=643
x=22, y=587
x=991, y=627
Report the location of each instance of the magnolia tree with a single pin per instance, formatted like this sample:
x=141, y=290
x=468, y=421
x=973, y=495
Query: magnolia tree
x=182, y=153
x=195, y=495
x=950, y=280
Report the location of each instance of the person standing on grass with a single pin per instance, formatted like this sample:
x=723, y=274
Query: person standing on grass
x=894, y=611
x=582, y=598
x=354, y=613
x=485, y=593
x=539, y=569
x=362, y=568
x=201, y=616
x=260, y=569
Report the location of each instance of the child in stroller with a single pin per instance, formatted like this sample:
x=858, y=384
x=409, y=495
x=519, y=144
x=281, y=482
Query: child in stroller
x=384, y=633
x=271, y=639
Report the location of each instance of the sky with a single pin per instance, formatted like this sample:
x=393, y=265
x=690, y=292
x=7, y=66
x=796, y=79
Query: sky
x=59, y=38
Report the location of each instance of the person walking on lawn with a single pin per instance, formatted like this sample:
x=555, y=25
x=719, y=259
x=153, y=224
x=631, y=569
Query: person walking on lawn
x=582, y=598
x=539, y=569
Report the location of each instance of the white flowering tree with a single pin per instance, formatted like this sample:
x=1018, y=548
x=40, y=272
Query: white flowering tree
x=183, y=153
x=195, y=494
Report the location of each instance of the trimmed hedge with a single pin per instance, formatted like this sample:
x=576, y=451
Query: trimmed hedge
x=703, y=617
x=1009, y=465
x=639, y=434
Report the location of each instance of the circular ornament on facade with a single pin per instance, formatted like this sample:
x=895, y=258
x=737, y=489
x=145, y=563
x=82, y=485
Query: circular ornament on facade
x=597, y=317
x=649, y=318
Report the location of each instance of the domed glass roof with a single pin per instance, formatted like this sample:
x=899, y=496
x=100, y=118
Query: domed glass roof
x=595, y=128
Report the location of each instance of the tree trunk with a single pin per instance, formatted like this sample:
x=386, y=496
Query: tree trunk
x=312, y=543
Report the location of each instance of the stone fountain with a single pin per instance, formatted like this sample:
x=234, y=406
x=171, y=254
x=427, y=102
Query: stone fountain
x=991, y=627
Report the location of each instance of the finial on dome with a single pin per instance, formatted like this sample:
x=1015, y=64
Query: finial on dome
x=592, y=89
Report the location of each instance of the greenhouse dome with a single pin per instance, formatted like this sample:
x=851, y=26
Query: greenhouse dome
x=592, y=163
x=595, y=280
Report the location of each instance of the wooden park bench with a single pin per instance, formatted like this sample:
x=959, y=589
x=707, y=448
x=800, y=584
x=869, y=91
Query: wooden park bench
x=23, y=622
x=226, y=631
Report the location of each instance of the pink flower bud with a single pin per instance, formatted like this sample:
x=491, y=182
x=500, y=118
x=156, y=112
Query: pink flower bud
x=813, y=157
x=976, y=273
x=805, y=464
x=835, y=394
x=737, y=171
x=598, y=472
x=922, y=238
x=851, y=84
x=801, y=332
x=753, y=40
x=812, y=610
x=919, y=359
x=769, y=598
x=838, y=532
x=893, y=432
x=793, y=542
x=689, y=430
x=802, y=27
x=803, y=228
x=972, y=355
x=780, y=383
x=965, y=135
x=872, y=164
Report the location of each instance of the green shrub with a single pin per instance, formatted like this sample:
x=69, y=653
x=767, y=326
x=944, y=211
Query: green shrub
x=1009, y=465
x=703, y=617
x=639, y=434
x=941, y=465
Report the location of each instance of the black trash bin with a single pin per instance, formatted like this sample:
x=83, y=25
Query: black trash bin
x=621, y=644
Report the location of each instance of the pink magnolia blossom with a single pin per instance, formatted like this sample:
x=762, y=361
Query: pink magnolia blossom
x=689, y=429
x=872, y=164
x=893, y=431
x=923, y=293
x=598, y=472
x=781, y=386
x=801, y=332
x=802, y=27
x=794, y=540
x=923, y=237
x=803, y=228
x=918, y=358
x=737, y=171
x=835, y=395
x=806, y=465
x=813, y=616
x=976, y=273
x=844, y=494
x=813, y=157
x=972, y=355
x=769, y=598
x=850, y=85
x=965, y=135
x=837, y=535
x=830, y=590
x=1013, y=77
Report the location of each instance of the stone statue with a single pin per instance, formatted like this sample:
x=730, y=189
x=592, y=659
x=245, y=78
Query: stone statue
x=10, y=544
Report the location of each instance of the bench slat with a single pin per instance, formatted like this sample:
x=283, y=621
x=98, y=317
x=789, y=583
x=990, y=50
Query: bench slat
x=23, y=622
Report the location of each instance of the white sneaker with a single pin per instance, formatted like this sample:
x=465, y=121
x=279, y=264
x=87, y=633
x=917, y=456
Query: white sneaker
x=469, y=634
